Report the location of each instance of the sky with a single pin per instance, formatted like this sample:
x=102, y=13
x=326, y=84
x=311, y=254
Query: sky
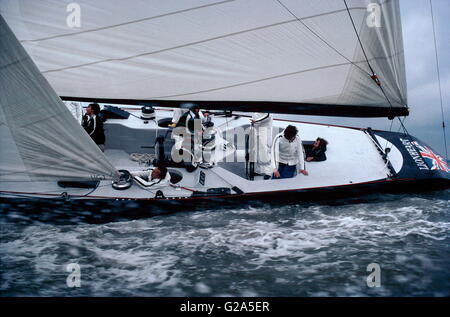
x=425, y=119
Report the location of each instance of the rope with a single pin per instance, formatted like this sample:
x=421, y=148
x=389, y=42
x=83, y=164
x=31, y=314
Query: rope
x=142, y=157
x=439, y=79
x=182, y=187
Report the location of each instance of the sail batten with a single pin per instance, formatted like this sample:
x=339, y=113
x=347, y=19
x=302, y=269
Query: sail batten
x=301, y=52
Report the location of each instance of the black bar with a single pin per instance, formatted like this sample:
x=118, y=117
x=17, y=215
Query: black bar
x=226, y=306
x=265, y=106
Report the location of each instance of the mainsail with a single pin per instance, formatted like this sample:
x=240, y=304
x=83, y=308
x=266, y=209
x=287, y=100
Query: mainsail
x=40, y=139
x=286, y=56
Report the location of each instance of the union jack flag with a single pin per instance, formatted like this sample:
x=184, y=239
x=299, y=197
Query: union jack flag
x=437, y=162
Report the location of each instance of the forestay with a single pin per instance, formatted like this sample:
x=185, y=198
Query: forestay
x=292, y=56
x=40, y=139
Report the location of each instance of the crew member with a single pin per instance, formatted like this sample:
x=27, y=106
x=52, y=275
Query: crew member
x=288, y=154
x=194, y=139
x=184, y=115
x=155, y=178
x=93, y=125
x=317, y=153
x=177, y=114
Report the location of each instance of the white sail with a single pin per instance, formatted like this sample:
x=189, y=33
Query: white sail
x=40, y=139
x=292, y=51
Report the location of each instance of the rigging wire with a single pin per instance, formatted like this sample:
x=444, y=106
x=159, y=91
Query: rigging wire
x=322, y=39
x=439, y=79
x=386, y=144
x=359, y=39
x=400, y=126
x=373, y=76
x=405, y=131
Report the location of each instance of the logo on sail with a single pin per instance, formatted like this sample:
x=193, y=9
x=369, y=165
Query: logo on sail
x=435, y=161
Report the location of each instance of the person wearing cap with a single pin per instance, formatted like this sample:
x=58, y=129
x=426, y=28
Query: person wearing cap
x=288, y=154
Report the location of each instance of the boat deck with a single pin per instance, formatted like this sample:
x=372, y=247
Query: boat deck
x=352, y=158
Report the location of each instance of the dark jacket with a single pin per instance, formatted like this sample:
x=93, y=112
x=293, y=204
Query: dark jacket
x=94, y=127
x=318, y=154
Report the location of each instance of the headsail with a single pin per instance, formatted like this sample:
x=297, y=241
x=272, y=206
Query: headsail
x=292, y=56
x=40, y=139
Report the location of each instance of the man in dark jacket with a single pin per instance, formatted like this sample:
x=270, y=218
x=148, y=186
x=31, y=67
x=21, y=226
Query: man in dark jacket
x=317, y=153
x=94, y=125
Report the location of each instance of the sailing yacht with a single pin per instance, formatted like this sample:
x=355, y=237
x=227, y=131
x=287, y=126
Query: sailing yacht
x=142, y=60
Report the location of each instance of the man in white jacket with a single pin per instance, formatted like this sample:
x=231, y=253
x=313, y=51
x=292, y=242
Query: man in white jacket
x=186, y=114
x=155, y=178
x=261, y=142
x=288, y=154
x=177, y=114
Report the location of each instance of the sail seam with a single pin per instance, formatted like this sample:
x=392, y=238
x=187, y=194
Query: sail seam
x=129, y=22
x=194, y=43
x=349, y=77
x=318, y=36
x=254, y=81
x=261, y=79
x=268, y=78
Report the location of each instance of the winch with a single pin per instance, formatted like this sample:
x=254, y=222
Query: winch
x=148, y=113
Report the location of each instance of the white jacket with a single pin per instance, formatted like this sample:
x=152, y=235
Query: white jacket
x=290, y=153
x=177, y=113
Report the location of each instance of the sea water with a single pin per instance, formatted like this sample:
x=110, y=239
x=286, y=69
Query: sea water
x=378, y=245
